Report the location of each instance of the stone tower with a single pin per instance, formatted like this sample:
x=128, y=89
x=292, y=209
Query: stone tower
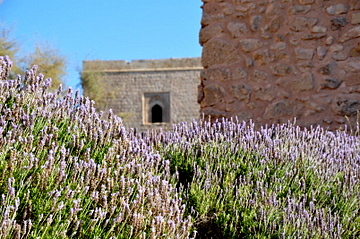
x=272, y=60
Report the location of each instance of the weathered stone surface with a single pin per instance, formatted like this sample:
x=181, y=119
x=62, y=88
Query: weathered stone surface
x=244, y=116
x=350, y=34
x=264, y=93
x=305, y=82
x=354, y=4
x=328, y=69
x=210, y=31
x=338, y=22
x=351, y=67
x=319, y=29
x=248, y=45
x=331, y=83
x=240, y=91
x=237, y=29
x=255, y=22
x=239, y=73
x=217, y=52
x=355, y=18
x=288, y=50
x=321, y=52
x=347, y=105
x=274, y=23
x=329, y=40
x=336, y=48
x=249, y=62
x=313, y=36
x=302, y=23
x=337, y=9
x=278, y=46
x=303, y=53
x=207, y=19
x=340, y=56
x=306, y=2
x=216, y=74
x=299, y=9
x=213, y=94
x=313, y=108
x=355, y=52
x=281, y=70
x=259, y=75
x=278, y=109
x=263, y=57
x=200, y=94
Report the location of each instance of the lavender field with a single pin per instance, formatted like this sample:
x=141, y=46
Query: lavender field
x=68, y=171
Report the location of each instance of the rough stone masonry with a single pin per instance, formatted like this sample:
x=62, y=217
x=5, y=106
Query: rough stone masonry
x=272, y=60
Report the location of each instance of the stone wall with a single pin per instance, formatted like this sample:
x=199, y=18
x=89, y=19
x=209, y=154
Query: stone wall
x=129, y=87
x=272, y=60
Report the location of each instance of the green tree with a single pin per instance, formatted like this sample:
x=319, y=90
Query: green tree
x=49, y=62
x=10, y=47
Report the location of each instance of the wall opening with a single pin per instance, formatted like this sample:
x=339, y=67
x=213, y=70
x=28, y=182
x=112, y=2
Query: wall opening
x=156, y=114
x=156, y=107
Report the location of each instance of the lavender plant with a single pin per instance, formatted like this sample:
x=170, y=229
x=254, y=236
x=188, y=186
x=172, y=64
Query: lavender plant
x=277, y=182
x=67, y=171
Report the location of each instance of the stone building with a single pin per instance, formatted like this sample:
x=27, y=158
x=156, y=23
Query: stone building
x=272, y=60
x=148, y=94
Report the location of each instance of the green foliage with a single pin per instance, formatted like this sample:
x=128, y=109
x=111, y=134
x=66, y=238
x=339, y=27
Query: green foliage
x=49, y=62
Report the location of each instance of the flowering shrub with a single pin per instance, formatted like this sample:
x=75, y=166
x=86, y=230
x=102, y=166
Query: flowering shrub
x=278, y=182
x=67, y=171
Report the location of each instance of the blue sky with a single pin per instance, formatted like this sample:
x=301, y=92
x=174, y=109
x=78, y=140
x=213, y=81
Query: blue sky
x=105, y=30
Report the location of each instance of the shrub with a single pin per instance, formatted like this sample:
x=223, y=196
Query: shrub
x=66, y=172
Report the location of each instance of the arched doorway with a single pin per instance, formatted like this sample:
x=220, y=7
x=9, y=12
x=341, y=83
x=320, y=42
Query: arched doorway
x=156, y=114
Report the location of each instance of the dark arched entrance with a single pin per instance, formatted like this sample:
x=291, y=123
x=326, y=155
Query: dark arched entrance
x=156, y=114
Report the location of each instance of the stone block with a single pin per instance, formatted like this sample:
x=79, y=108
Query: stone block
x=248, y=45
x=304, y=53
x=355, y=18
x=340, y=56
x=338, y=22
x=337, y=9
x=321, y=52
x=329, y=40
x=281, y=70
x=347, y=105
x=259, y=76
x=350, y=34
x=217, y=52
x=239, y=73
x=278, y=109
x=354, y=4
x=313, y=36
x=240, y=91
x=213, y=94
x=209, y=32
x=278, y=46
x=299, y=9
x=263, y=57
x=330, y=83
x=218, y=74
x=306, y=2
x=264, y=93
x=328, y=69
x=319, y=29
x=336, y=48
x=255, y=22
x=302, y=23
x=304, y=83
x=237, y=29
